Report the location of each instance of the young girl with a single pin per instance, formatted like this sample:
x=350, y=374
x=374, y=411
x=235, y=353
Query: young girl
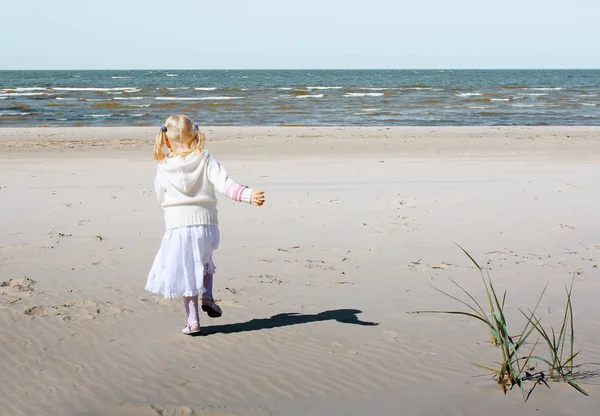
x=185, y=186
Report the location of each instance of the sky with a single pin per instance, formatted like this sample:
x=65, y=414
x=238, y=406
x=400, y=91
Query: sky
x=298, y=34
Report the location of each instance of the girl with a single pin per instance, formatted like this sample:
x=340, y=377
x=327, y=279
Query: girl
x=185, y=186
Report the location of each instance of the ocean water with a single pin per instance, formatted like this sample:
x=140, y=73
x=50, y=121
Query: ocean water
x=301, y=97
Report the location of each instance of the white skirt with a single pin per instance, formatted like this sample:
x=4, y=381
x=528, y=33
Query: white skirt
x=184, y=256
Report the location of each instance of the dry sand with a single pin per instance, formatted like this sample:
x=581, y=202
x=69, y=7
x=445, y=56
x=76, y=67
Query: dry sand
x=315, y=286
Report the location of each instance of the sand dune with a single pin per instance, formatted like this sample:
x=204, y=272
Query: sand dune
x=359, y=223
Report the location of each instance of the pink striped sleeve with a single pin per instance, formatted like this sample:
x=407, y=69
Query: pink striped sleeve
x=235, y=191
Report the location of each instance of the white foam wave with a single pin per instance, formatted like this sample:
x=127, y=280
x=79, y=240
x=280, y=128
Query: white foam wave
x=139, y=106
x=589, y=104
x=172, y=75
x=67, y=99
x=205, y=88
x=323, y=88
x=310, y=96
x=98, y=115
x=26, y=89
x=500, y=99
x=374, y=88
x=128, y=98
x=524, y=105
x=545, y=88
x=197, y=98
x=285, y=88
x=588, y=95
x=95, y=89
x=138, y=115
x=370, y=110
x=418, y=88
x=120, y=77
x=23, y=94
x=468, y=94
x=532, y=94
x=477, y=107
x=14, y=114
x=363, y=94
x=178, y=88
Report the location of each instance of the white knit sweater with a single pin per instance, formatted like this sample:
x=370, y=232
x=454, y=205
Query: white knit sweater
x=185, y=188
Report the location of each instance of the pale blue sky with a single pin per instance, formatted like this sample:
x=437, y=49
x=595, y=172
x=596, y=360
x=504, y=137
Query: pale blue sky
x=248, y=34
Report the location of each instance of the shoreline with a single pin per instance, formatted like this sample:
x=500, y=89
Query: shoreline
x=580, y=143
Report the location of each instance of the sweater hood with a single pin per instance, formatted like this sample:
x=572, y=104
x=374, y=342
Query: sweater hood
x=183, y=173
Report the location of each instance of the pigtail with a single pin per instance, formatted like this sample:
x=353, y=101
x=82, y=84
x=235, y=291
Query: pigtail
x=159, y=146
x=199, y=141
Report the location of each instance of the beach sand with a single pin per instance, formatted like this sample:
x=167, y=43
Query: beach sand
x=316, y=285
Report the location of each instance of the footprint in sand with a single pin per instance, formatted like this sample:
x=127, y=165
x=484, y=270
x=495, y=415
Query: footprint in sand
x=18, y=287
x=83, y=310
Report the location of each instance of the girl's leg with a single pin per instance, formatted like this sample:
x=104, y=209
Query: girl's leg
x=208, y=304
x=208, y=287
x=191, y=309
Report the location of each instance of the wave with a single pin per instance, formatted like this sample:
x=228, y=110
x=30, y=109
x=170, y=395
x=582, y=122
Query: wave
x=374, y=88
x=370, y=110
x=310, y=96
x=205, y=88
x=67, y=99
x=285, y=88
x=177, y=88
x=545, y=88
x=532, y=94
x=589, y=104
x=196, y=98
x=364, y=94
x=128, y=98
x=120, y=77
x=95, y=89
x=477, y=107
x=139, y=115
x=26, y=89
x=14, y=114
x=500, y=99
x=323, y=88
x=98, y=115
x=467, y=94
x=172, y=75
x=23, y=94
x=139, y=106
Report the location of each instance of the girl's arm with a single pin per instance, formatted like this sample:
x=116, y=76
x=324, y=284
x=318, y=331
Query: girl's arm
x=159, y=189
x=217, y=175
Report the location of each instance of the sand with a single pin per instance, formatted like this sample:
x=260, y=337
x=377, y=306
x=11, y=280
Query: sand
x=316, y=285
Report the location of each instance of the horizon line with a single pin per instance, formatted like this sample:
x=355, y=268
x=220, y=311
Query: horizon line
x=303, y=69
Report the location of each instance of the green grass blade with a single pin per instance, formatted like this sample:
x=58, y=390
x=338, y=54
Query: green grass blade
x=486, y=368
x=469, y=295
x=482, y=276
x=472, y=315
x=576, y=387
x=521, y=340
x=462, y=302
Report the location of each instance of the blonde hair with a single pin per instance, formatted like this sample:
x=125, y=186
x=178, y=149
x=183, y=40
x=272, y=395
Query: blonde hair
x=178, y=129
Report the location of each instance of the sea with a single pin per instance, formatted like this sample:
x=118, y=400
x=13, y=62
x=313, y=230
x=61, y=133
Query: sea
x=301, y=97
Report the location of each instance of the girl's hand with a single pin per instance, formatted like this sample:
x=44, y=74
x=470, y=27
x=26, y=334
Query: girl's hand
x=257, y=198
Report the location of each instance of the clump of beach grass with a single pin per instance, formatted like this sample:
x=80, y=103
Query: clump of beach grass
x=517, y=356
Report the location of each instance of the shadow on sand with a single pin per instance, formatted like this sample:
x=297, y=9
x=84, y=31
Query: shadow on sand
x=344, y=316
